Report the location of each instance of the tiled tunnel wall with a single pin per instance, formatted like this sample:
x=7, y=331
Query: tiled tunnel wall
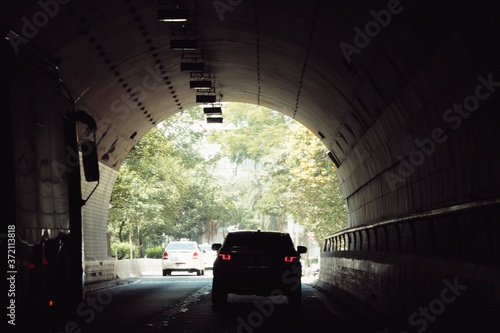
x=95, y=214
x=447, y=264
x=385, y=172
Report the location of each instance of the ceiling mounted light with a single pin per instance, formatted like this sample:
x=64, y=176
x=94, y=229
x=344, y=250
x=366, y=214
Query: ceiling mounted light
x=200, y=84
x=214, y=120
x=173, y=15
x=183, y=44
x=172, y=10
x=212, y=110
x=192, y=60
x=206, y=98
x=192, y=66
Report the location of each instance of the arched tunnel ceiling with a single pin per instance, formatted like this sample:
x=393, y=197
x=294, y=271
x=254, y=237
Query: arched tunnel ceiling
x=116, y=60
x=373, y=79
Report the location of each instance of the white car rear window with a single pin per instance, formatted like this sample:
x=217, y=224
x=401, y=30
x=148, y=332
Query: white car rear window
x=181, y=246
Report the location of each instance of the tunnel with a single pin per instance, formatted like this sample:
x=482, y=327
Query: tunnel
x=404, y=94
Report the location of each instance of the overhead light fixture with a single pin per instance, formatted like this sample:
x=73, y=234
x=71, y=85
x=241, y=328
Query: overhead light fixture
x=202, y=80
x=212, y=110
x=206, y=98
x=200, y=84
x=214, y=120
x=173, y=15
x=183, y=44
x=172, y=11
x=192, y=66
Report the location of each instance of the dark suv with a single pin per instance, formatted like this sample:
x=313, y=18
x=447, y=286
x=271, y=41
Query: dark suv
x=258, y=262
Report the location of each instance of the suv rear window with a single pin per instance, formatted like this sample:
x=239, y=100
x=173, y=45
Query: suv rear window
x=259, y=240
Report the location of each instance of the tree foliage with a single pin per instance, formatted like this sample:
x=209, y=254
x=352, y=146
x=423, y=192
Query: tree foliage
x=314, y=196
x=296, y=177
x=165, y=189
x=257, y=132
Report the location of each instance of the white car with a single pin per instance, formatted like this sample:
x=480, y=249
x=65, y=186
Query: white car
x=183, y=256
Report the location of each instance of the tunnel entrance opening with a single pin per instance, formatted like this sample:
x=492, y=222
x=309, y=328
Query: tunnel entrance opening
x=187, y=179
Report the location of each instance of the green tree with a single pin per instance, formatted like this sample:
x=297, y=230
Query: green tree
x=296, y=177
x=257, y=132
x=314, y=197
x=146, y=193
x=166, y=188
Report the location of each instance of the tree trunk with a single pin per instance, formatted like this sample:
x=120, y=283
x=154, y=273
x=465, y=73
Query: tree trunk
x=131, y=247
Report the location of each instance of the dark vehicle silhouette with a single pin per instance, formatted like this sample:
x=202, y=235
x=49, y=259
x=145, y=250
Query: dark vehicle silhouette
x=263, y=263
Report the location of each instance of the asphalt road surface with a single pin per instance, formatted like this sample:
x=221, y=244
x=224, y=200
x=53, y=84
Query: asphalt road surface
x=181, y=304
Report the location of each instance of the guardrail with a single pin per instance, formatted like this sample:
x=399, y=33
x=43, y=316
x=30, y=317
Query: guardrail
x=458, y=231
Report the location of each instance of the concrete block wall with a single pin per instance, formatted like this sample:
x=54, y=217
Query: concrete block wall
x=99, y=270
x=127, y=268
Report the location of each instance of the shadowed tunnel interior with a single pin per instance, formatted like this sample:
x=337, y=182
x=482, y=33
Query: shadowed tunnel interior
x=403, y=93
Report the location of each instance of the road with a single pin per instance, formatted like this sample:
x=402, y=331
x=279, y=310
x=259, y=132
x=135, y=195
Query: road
x=181, y=303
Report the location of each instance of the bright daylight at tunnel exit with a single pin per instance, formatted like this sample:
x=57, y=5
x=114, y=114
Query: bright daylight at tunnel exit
x=251, y=166
x=189, y=179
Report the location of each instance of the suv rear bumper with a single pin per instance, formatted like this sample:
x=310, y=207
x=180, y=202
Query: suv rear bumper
x=259, y=282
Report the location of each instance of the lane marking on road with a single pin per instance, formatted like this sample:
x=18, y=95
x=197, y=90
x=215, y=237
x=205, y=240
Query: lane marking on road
x=162, y=321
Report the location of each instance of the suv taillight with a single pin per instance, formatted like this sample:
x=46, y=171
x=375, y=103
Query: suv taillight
x=195, y=255
x=165, y=255
x=224, y=257
x=290, y=258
